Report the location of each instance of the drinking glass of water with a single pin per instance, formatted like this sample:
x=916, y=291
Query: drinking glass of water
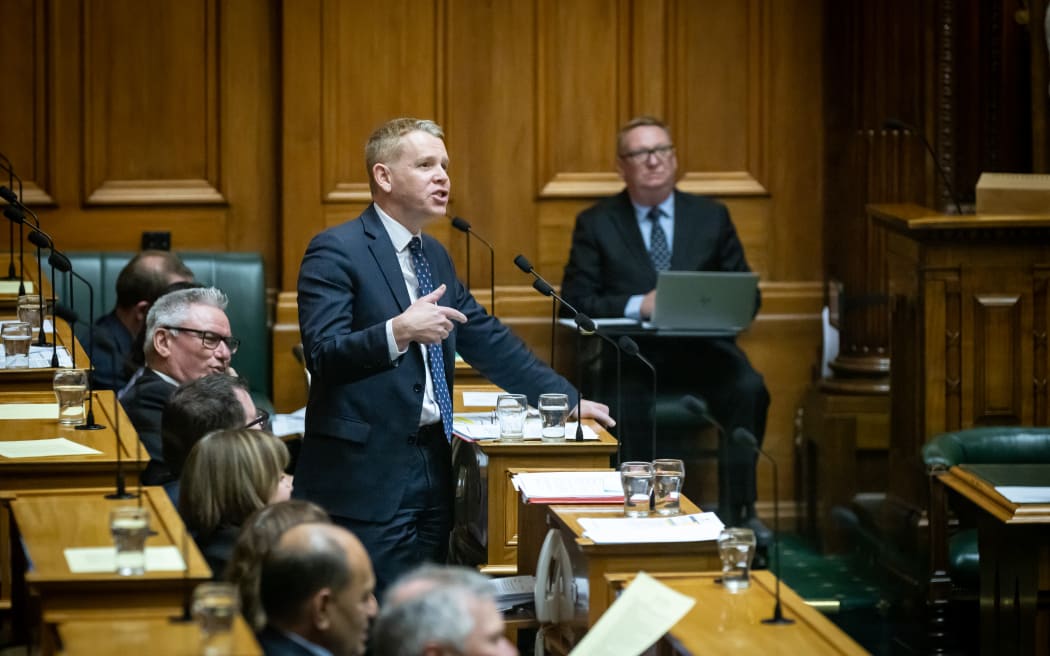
x=668, y=476
x=554, y=410
x=29, y=310
x=511, y=410
x=215, y=606
x=736, y=548
x=637, y=480
x=70, y=387
x=16, y=336
x=130, y=528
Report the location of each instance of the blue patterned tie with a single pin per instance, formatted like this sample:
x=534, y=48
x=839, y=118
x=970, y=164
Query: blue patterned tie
x=659, y=253
x=434, y=355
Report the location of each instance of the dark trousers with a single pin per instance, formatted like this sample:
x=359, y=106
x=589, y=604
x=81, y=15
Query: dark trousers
x=419, y=530
x=717, y=371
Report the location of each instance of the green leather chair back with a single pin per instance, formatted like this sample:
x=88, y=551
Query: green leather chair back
x=240, y=275
x=994, y=444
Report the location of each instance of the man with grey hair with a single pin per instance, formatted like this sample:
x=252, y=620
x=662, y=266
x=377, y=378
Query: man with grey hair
x=187, y=337
x=382, y=315
x=440, y=610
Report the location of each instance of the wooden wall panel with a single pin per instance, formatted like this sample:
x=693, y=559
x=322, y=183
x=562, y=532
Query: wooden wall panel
x=25, y=111
x=158, y=142
x=998, y=366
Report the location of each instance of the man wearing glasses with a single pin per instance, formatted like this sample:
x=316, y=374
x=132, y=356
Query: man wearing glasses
x=187, y=337
x=618, y=246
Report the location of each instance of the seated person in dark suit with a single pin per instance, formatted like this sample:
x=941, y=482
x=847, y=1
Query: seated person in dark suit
x=619, y=245
x=187, y=336
x=212, y=403
x=142, y=280
x=227, y=476
x=316, y=588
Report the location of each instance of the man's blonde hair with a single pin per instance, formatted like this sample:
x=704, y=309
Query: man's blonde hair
x=637, y=122
x=384, y=144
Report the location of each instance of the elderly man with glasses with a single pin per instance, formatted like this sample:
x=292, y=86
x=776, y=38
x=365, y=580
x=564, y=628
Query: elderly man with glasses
x=187, y=337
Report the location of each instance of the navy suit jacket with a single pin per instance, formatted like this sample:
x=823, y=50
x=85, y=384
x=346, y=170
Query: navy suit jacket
x=275, y=643
x=355, y=459
x=609, y=262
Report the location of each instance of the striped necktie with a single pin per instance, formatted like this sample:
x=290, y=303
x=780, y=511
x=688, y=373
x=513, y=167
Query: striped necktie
x=659, y=253
x=434, y=356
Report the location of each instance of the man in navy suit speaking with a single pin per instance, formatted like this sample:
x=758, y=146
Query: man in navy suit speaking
x=382, y=315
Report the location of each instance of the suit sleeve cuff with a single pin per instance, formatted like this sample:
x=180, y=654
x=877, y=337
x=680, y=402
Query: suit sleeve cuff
x=391, y=344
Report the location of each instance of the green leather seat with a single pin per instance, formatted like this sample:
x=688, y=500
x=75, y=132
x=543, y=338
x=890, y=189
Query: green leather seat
x=987, y=445
x=240, y=275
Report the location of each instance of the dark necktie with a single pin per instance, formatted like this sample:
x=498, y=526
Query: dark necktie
x=659, y=253
x=434, y=356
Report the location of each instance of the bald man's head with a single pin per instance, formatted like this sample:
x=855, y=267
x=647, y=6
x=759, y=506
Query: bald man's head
x=318, y=583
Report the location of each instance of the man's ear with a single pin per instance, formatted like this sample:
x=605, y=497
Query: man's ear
x=619, y=167
x=320, y=609
x=381, y=173
x=162, y=342
x=141, y=310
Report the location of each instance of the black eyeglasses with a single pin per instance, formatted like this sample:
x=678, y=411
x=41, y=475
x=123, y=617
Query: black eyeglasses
x=262, y=421
x=209, y=339
x=642, y=154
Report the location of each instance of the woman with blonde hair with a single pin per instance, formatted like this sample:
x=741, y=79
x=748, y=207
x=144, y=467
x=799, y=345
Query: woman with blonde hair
x=227, y=476
x=258, y=536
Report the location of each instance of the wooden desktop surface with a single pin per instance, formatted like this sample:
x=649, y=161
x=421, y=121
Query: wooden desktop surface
x=727, y=623
x=48, y=523
x=41, y=378
x=156, y=636
x=70, y=471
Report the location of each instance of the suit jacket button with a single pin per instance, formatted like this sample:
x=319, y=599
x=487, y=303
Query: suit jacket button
x=417, y=388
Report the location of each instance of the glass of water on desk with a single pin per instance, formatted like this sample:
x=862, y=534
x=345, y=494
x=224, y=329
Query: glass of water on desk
x=554, y=410
x=511, y=409
x=215, y=606
x=736, y=548
x=16, y=337
x=668, y=476
x=637, y=480
x=130, y=528
x=70, y=387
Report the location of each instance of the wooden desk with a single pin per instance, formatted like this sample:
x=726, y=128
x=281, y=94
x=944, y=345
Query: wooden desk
x=501, y=498
x=724, y=623
x=157, y=636
x=596, y=561
x=41, y=378
x=1014, y=544
x=50, y=522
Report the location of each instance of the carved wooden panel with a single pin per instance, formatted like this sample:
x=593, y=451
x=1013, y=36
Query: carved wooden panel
x=158, y=140
x=997, y=345
x=1040, y=355
x=24, y=115
x=379, y=61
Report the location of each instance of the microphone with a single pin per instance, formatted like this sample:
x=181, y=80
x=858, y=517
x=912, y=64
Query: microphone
x=744, y=438
x=39, y=243
x=42, y=241
x=121, y=491
x=11, y=177
x=16, y=216
x=62, y=263
x=897, y=124
x=583, y=324
x=630, y=347
x=463, y=225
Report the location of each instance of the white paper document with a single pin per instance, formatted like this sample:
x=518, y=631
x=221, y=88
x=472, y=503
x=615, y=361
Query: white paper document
x=480, y=399
x=1024, y=493
x=290, y=424
x=481, y=426
x=58, y=446
x=678, y=528
x=541, y=486
x=40, y=357
x=10, y=287
x=93, y=560
x=602, y=323
x=642, y=614
x=29, y=411
x=48, y=328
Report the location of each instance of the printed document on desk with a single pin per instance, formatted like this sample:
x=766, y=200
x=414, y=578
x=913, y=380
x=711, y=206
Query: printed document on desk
x=569, y=487
x=698, y=527
x=481, y=426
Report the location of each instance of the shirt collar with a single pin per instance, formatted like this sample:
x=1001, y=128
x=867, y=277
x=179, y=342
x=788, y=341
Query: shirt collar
x=399, y=234
x=641, y=212
x=312, y=647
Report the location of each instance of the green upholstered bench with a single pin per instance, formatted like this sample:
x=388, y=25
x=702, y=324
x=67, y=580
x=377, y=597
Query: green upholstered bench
x=954, y=561
x=240, y=275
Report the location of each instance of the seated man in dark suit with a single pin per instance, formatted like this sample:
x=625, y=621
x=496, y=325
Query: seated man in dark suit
x=142, y=280
x=212, y=403
x=187, y=336
x=619, y=245
x=316, y=588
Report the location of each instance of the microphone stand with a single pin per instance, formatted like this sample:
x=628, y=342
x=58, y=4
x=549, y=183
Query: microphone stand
x=121, y=492
x=16, y=216
x=11, y=228
x=630, y=347
x=41, y=240
x=42, y=341
x=699, y=408
x=744, y=437
x=897, y=124
x=62, y=263
x=463, y=225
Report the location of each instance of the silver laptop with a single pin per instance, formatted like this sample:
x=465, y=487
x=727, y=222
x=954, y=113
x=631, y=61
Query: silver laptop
x=714, y=302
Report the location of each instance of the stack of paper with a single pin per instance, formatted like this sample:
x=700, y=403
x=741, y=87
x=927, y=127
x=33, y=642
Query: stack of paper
x=570, y=487
x=473, y=426
x=512, y=591
x=679, y=528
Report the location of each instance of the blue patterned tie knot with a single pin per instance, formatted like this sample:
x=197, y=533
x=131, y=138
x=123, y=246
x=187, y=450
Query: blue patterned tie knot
x=659, y=253
x=435, y=358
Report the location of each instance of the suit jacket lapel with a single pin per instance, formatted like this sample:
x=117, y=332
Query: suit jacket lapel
x=626, y=222
x=386, y=257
